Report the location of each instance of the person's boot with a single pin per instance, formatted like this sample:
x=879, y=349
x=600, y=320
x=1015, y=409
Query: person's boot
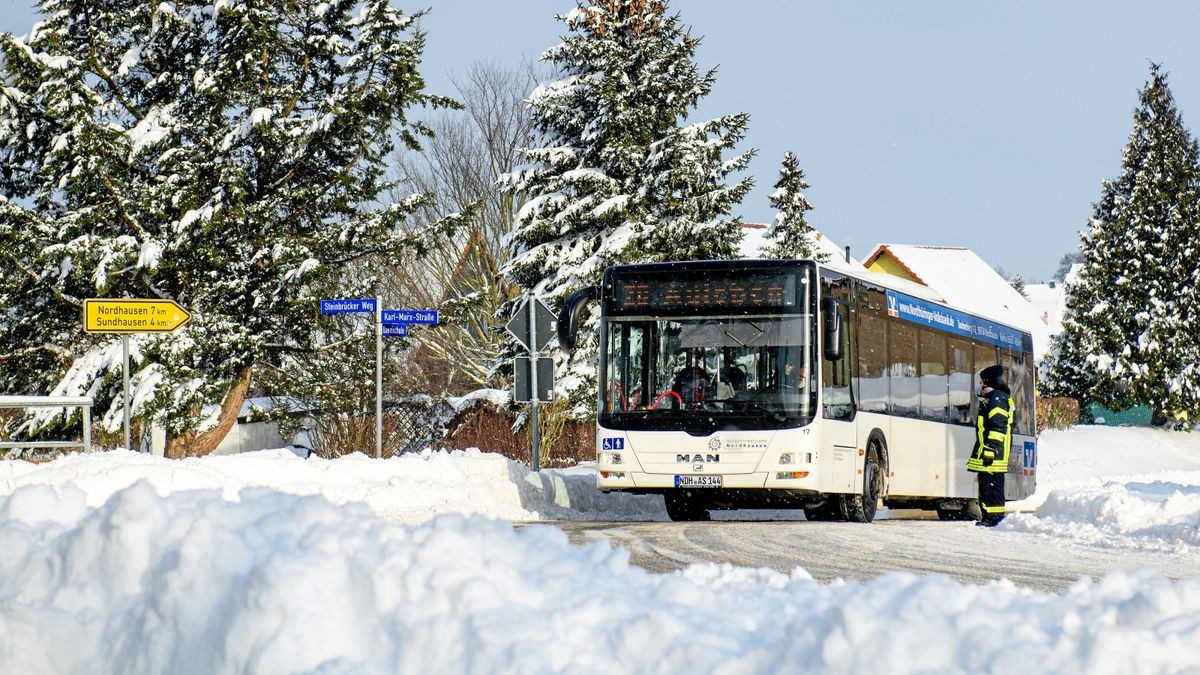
x=989, y=521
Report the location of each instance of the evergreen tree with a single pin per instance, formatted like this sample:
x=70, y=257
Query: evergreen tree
x=1130, y=330
x=228, y=156
x=616, y=174
x=791, y=236
x=1018, y=283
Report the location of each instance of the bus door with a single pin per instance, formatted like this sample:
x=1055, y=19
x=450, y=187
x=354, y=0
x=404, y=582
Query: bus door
x=839, y=432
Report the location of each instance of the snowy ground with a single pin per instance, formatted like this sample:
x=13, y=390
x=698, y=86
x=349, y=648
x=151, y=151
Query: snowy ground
x=268, y=563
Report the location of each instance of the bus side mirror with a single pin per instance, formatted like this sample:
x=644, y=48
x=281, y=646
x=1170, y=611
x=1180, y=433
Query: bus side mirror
x=568, y=318
x=832, y=324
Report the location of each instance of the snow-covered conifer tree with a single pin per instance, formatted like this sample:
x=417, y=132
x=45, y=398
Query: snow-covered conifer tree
x=791, y=236
x=227, y=155
x=1130, y=327
x=617, y=174
x=1018, y=283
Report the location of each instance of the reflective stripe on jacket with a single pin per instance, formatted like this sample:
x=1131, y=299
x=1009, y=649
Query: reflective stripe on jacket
x=993, y=433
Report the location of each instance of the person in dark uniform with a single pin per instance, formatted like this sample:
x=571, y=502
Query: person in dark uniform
x=989, y=459
x=691, y=382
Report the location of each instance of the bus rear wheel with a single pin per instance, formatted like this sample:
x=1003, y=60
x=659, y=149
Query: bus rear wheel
x=682, y=506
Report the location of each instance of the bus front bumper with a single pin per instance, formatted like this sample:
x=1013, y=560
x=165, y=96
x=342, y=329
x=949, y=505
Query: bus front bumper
x=620, y=478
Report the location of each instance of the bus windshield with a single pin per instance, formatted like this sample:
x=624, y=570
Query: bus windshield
x=702, y=374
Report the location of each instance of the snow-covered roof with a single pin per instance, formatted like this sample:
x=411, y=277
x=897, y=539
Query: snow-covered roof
x=966, y=281
x=753, y=244
x=1049, y=300
x=1047, y=303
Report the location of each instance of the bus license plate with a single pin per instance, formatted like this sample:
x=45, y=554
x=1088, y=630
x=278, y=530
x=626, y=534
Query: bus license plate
x=697, y=481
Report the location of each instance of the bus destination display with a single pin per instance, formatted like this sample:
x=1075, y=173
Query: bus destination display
x=744, y=291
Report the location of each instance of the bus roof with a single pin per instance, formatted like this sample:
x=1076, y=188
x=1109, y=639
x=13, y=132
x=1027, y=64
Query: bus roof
x=895, y=283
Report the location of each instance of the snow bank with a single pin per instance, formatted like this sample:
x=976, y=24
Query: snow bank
x=410, y=489
x=1128, y=488
x=1158, y=515
x=279, y=583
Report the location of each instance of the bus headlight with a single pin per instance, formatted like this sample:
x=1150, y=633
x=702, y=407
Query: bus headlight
x=610, y=458
x=795, y=458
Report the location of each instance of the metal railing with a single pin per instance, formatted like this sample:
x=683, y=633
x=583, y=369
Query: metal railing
x=27, y=402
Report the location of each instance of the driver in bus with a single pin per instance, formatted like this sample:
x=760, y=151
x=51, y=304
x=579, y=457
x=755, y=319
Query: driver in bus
x=792, y=378
x=732, y=374
x=691, y=382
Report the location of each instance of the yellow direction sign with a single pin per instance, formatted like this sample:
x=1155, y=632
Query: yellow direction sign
x=125, y=315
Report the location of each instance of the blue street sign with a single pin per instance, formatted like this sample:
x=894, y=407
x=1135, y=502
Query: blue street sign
x=425, y=317
x=395, y=330
x=348, y=306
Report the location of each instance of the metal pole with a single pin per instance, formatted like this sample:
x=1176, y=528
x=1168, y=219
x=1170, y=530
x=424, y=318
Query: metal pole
x=125, y=387
x=378, y=377
x=533, y=379
x=87, y=427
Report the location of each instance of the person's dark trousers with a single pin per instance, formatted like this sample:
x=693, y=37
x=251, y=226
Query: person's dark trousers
x=991, y=497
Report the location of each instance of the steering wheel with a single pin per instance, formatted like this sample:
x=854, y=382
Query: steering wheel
x=668, y=392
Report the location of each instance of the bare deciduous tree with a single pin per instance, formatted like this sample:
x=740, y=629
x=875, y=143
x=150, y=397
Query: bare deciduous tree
x=457, y=169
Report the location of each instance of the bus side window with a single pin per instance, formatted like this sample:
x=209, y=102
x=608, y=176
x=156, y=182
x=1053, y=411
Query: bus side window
x=1031, y=393
x=985, y=355
x=1019, y=382
x=871, y=382
x=904, y=384
x=934, y=385
x=962, y=381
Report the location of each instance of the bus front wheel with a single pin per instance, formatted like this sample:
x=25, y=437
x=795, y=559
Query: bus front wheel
x=861, y=508
x=681, y=506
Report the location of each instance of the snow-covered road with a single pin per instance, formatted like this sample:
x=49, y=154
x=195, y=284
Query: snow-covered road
x=831, y=551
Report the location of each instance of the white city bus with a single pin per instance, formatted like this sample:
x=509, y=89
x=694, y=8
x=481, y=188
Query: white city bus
x=785, y=384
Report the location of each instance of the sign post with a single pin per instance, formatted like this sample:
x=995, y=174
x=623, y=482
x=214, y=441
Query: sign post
x=125, y=389
x=394, y=323
x=363, y=306
x=388, y=323
x=378, y=378
x=533, y=326
x=125, y=316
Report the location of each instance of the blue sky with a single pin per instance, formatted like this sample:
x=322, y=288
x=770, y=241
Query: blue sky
x=981, y=124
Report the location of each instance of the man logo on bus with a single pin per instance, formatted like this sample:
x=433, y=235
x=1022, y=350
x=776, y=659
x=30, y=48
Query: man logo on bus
x=893, y=305
x=685, y=459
